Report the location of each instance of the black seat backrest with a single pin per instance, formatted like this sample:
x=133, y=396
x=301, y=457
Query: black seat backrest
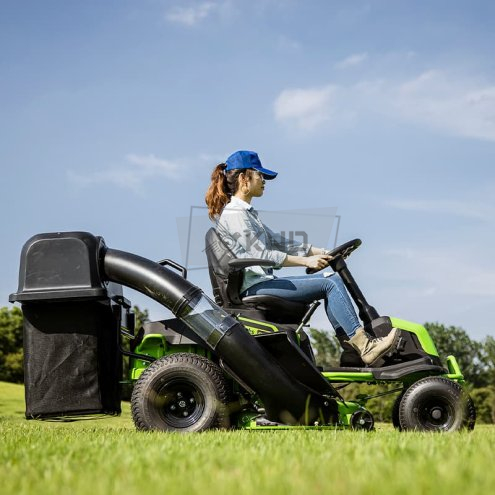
x=218, y=255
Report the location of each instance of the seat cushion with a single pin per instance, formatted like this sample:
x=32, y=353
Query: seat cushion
x=277, y=309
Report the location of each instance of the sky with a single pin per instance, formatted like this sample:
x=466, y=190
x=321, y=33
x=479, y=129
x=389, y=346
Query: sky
x=113, y=115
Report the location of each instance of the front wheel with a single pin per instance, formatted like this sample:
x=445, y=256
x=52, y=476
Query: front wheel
x=182, y=392
x=436, y=404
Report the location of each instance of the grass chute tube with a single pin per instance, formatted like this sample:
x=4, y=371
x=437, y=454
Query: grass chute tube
x=285, y=400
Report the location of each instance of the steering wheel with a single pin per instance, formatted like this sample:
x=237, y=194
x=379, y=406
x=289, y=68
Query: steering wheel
x=343, y=251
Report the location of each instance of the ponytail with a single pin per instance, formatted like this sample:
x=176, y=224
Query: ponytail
x=222, y=187
x=217, y=195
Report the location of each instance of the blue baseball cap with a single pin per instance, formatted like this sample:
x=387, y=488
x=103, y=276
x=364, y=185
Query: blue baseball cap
x=248, y=159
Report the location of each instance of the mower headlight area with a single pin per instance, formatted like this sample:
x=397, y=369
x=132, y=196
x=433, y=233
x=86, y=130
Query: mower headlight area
x=206, y=319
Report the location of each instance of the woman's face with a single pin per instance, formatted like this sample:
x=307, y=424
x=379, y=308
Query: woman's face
x=255, y=183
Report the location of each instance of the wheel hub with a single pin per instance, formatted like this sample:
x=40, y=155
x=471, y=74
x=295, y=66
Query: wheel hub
x=436, y=413
x=181, y=403
x=362, y=420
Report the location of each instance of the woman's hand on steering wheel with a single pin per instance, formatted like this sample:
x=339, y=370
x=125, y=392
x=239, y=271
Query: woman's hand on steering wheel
x=342, y=251
x=318, y=261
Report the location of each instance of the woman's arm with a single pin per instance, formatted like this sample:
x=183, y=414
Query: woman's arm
x=317, y=261
x=239, y=227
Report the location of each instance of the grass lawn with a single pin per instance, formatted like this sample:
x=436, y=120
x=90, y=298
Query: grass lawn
x=108, y=456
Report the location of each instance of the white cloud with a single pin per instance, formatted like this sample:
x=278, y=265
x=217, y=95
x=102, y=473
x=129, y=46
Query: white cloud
x=127, y=179
x=212, y=158
x=190, y=16
x=150, y=165
x=457, y=105
x=133, y=175
x=196, y=13
x=352, y=61
x=306, y=108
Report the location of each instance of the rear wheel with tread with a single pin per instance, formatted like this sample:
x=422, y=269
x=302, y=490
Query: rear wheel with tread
x=182, y=392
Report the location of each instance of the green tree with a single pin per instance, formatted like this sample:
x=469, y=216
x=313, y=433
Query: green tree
x=469, y=353
x=11, y=354
x=141, y=316
x=484, y=397
x=484, y=400
x=327, y=348
x=489, y=352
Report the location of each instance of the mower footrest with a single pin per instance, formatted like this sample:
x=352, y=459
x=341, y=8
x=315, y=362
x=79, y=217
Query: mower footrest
x=396, y=371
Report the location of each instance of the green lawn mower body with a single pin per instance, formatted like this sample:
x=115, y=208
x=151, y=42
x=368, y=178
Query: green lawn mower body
x=163, y=339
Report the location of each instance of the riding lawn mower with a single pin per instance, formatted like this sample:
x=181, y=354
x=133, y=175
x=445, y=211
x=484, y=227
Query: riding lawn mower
x=231, y=362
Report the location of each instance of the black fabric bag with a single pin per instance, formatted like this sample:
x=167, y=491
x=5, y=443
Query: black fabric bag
x=72, y=364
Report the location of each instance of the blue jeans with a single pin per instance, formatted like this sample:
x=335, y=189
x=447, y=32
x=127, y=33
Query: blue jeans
x=307, y=288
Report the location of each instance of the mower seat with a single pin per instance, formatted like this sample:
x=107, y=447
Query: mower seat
x=277, y=309
x=226, y=275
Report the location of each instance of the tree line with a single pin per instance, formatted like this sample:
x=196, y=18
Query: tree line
x=476, y=360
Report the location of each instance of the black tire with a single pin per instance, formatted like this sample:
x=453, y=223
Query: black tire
x=182, y=392
x=395, y=411
x=436, y=404
x=470, y=413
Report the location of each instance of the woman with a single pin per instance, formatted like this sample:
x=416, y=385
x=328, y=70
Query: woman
x=233, y=186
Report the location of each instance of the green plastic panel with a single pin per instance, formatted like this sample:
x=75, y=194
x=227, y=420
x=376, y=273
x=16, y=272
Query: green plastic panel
x=348, y=376
x=153, y=345
x=255, y=327
x=346, y=410
x=420, y=332
x=454, y=370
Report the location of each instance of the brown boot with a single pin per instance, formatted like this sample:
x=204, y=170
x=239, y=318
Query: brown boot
x=372, y=349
